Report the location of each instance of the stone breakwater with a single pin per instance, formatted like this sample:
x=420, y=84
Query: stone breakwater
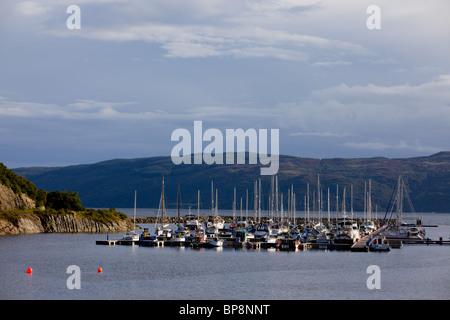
x=61, y=223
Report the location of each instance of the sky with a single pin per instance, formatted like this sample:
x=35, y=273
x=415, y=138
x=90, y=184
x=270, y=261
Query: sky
x=137, y=70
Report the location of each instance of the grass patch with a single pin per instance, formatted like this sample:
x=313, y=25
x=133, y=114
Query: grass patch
x=103, y=215
x=100, y=215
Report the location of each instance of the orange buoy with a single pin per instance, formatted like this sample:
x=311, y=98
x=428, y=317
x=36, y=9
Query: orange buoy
x=29, y=271
x=99, y=270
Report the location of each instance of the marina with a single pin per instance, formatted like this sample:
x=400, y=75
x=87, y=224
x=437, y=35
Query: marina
x=283, y=230
x=231, y=238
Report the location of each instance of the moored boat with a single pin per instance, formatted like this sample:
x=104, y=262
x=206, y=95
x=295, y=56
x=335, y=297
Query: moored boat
x=379, y=244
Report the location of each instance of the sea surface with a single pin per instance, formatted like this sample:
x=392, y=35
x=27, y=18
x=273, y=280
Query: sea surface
x=168, y=273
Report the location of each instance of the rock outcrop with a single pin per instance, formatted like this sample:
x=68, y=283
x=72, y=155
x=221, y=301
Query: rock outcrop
x=11, y=201
x=20, y=220
x=65, y=223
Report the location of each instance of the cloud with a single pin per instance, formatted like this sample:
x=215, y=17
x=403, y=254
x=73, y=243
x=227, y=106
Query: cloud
x=401, y=145
x=79, y=110
x=30, y=8
x=196, y=29
x=320, y=134
x=199, y=41
x=310, y=68
x=331, y=63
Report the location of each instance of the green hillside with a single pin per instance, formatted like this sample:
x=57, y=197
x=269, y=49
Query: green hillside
x=112, y=183
x=19, y=185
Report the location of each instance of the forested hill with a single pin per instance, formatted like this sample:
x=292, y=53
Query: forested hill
x=112, y=183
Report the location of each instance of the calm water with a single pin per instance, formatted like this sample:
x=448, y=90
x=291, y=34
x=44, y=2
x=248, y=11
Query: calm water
x=413, y=272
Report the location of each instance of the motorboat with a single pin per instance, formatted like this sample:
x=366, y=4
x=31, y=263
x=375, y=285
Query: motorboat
x=405, y=233
x=213, y=243
x=379, y=244
x=131, y=236
x=324, y=239
x=350, y=228
x=192, y=223
x=343, y=238
x=179, y=237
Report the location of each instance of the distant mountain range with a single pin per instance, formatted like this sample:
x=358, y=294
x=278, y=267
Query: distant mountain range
x=112, y=183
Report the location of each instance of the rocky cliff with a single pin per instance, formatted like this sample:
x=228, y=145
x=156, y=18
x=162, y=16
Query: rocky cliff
x=11, y=201
x=49, y=223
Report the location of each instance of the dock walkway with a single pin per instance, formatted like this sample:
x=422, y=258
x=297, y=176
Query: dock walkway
x=362, y=245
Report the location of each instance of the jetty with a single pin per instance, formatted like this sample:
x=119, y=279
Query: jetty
x=363, y=244
x=117, y=242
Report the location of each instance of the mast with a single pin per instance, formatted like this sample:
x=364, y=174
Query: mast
x=212, y=197
x=259, y=202
x=376, y=214
x=351, y=199
x=305, y=210
x=276, y=195
x=337, y=203
x=162, y=205
x=365, y=201
x=217, y=203
x=281, y=209
x=134, y=215
x=343, y=205
x=234, y=205
x=321, y=205
x=255, y=200
x=292, y=202
x=369, y=210
x=198, y=205
x=328, y=203
x=289, y=204
x=399, y=201
x=241, y=208
x=307, y=200
x=293, y=205
x=178, y=204
x=314, y=206
x=246, y=206
x=272, y=196
x=318, y=198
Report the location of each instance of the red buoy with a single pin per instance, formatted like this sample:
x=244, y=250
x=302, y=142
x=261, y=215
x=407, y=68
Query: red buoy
x=99, y=270
x=29, y=271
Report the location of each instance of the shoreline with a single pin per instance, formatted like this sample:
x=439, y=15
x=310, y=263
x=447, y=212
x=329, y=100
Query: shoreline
x=29, y=223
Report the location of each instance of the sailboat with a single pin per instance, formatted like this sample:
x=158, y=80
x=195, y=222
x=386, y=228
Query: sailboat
x=192, y=223
x=215, y=222
x=132, y=235
x=179, y=238
x=163, y=232
x=347, y=231
x=399, y=229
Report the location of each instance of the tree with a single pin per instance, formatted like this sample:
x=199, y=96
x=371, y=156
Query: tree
x=64, y=200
